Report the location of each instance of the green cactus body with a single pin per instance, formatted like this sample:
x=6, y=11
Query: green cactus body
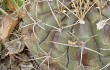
x=52, y=30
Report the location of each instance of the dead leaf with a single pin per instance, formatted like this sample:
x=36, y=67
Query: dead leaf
x=10, y=5
x=14, y=46
x=0, y=1
x=6, y=26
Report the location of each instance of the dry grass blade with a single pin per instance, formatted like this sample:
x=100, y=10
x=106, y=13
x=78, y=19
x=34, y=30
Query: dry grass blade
x=61, y=43
x=53, y=14
x=68, y=9
x=79, y=47
x=3, y=11
x=104, y=49
x=81, y=7
x=62, y=66
x=81, y=57
x=93, y=51
x=105, y=67
x=71, y=25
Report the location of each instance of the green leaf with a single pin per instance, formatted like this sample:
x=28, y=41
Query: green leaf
x=18, y=3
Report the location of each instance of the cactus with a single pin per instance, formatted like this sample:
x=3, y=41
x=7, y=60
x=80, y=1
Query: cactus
x=68, y=34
